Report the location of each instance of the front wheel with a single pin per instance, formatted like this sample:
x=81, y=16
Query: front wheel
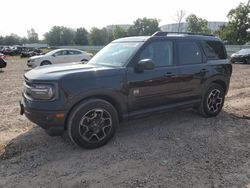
x=212, y=101
x=92, y=123
x=45, y=63
x=248, y=61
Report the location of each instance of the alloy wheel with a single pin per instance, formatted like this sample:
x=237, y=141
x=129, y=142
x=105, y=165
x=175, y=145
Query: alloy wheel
x=95, y=125
x=214, y=100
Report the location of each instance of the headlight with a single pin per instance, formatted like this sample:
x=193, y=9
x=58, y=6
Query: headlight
x=40, y=91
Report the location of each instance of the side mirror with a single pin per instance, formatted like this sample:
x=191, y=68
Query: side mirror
x=144, y=64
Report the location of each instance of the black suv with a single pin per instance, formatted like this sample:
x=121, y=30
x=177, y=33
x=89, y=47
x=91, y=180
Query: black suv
x=130, y=77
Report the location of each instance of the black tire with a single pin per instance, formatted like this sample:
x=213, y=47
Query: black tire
x=92, y=123
x=248, y=61
x=84, y=60
x=212, y=101
x=45, y=63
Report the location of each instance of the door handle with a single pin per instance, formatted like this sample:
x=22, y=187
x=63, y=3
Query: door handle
x=203, y=71
x=169, y=74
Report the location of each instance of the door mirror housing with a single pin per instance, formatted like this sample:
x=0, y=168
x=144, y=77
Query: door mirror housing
x=144, y=64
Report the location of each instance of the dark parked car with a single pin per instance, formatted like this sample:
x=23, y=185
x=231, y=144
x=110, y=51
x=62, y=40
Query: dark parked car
x=129, y=78
x=241, y=56
x=30, y=52
x=3, y=63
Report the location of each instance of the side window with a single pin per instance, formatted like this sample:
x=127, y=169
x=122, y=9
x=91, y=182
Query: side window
x=65, y=52
x=73, y=52
x=214, y=50
x=161, y=52
x=189, y=53
x=77, y=52
x=62, y=52
x=58, y=53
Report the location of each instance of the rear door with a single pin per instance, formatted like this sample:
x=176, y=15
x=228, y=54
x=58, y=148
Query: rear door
x=156, y=87
x=74, y=56
x=193, y=70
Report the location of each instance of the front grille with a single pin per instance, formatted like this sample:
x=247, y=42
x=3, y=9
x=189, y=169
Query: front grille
x=26, y=87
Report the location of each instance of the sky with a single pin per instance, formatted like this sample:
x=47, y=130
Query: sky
x=18, y=16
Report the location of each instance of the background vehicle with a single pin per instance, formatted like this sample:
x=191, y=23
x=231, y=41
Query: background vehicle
x=27, y=52
x=2, y=56
x=241, y=56
x=130, y=77
x=3, y=63
x=59, y=56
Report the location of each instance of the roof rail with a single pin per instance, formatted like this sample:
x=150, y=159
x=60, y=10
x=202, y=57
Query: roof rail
x=161, y=33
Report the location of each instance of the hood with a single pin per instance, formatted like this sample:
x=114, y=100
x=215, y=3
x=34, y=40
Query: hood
x=56, y=72
x=36, y=57
x=243, y=52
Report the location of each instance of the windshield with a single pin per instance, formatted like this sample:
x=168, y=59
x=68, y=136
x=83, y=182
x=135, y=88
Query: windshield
x=116, y=54
x=51, y=52
x=244, y=51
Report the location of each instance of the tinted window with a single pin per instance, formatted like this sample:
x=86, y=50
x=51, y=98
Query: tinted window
x=189, y=53
x=214, y=49
x=161, y=52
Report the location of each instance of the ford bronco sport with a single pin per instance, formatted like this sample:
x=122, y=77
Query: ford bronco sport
x=130, y=77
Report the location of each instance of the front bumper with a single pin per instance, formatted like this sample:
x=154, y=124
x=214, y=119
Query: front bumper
x=29, y=64
x=48, y=120
x=32, y=64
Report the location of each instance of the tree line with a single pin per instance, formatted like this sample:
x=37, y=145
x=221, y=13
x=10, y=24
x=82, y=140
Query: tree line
x=233, y=32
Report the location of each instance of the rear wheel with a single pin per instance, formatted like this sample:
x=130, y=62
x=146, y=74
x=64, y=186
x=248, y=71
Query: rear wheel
x=84, y=60
x=212, y=101
x=92, y=123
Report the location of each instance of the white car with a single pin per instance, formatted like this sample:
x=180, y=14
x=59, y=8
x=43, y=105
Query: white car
x=59, y=56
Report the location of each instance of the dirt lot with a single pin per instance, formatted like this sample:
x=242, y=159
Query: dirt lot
x=177, y=149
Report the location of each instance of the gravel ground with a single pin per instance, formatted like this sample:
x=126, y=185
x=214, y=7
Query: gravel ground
x=176, y=149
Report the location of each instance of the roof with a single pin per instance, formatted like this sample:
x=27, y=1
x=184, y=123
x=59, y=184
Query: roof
x=133, y=39
x=172, y=35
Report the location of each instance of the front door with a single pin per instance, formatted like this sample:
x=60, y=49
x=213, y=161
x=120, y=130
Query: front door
x=61, y=57
x=158, y=86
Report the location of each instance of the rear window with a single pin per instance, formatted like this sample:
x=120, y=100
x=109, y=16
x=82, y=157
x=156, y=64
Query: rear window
x=214, y=49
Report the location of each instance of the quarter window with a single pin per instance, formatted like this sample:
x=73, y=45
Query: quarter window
x=189, y=53
x=160, y=52
x=214, y=49
x=73, y=52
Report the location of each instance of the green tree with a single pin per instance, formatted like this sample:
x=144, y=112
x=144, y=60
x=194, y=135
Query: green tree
x=235, y=31
x=24, y=40
x=32, y=36
x=144, y=26
x=67, y=36
x=119, y=32
x=81, y=36
x=59, y=35
x=11, y=39
x=1, y=40
x=196, y=24
x=99, y=36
